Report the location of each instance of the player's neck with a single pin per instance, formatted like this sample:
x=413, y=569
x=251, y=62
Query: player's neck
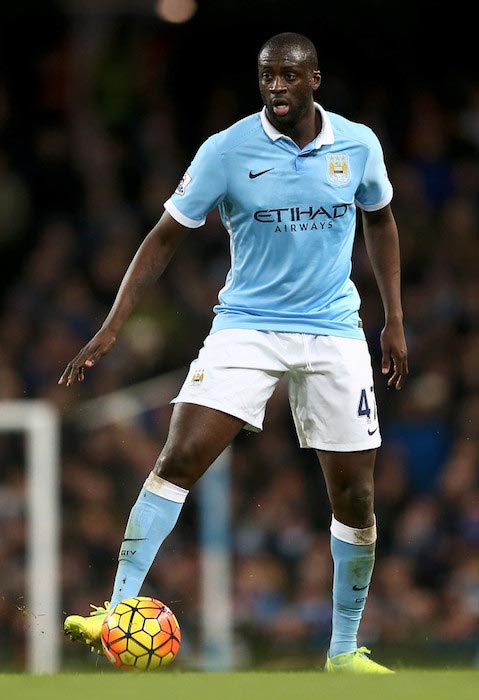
x=306, y=129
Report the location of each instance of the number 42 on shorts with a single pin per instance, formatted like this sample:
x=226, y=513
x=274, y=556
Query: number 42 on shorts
x=363, y=407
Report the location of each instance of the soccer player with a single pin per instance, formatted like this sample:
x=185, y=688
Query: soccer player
x=287, y=182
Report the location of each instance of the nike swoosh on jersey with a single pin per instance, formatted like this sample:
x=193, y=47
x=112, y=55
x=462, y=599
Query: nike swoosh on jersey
x=371, y=432
x=253, y=175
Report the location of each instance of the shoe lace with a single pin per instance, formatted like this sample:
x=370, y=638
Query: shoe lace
x=363, y=650
x=99, y=609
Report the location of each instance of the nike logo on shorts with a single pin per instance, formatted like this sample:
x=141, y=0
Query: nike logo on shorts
x=371, y=432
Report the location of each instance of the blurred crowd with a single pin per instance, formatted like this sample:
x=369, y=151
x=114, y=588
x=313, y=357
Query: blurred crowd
x=89, y=151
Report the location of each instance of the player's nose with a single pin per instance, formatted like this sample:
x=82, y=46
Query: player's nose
x=277, y=85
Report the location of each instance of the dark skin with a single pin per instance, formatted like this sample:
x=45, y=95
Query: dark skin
x=197, y=434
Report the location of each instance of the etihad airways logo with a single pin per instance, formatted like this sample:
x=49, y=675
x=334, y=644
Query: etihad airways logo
x=293, y=219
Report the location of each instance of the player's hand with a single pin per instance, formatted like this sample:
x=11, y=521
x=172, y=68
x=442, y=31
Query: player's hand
x=101, y=343
x=394, y=354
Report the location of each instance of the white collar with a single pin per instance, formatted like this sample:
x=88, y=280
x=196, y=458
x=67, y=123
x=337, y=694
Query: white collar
x=324, y=138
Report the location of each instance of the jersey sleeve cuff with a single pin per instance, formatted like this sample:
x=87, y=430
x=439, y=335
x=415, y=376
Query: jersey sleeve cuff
x=380, y=205
x=173, y=210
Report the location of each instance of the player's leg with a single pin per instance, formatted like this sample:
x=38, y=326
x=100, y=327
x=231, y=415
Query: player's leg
x=334, y=410
x=197, y=436
x=350, y=486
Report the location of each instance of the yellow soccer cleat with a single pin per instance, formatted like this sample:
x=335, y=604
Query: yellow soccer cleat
x=87, y=629
x=354, y=662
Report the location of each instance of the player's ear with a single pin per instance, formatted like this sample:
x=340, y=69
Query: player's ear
x=316, y=79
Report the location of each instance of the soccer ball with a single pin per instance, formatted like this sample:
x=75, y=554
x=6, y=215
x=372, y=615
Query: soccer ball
x=140, y=633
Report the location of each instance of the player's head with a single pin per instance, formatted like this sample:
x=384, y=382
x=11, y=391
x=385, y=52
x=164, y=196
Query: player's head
x=288, y=76
x=289, y=44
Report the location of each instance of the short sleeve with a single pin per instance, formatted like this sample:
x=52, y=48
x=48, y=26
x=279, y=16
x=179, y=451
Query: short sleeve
x=201, y=188
x=375, y=190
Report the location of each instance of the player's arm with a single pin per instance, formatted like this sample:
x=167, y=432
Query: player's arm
x=149, y=262
x=382, y=244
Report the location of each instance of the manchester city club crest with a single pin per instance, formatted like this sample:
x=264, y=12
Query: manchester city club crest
x=197, y=376
x=339, y=171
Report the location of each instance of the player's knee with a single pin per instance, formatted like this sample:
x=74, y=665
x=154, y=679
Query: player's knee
x=362, y=501
x=355, y=502
x=181, y=465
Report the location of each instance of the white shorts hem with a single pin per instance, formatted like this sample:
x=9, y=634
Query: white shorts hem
x=341, y=447
x=250, y=423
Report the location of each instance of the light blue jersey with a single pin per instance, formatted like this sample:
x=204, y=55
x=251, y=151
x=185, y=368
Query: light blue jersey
x=291, y=218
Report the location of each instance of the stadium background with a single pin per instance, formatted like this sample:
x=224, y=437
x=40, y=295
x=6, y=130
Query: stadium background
x=102, y=105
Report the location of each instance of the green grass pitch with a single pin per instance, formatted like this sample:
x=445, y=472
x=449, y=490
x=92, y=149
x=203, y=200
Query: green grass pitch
x=294, y=685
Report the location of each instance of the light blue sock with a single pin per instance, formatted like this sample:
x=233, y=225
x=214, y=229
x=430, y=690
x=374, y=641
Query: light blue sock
x=353, y=556
x=151, y=520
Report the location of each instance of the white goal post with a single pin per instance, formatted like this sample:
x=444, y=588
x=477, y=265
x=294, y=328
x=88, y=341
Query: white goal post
x=39, y=422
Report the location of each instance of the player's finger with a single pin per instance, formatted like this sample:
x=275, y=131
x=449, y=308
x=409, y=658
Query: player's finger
x=386, y=362
x=399, y=374
x=394, y=378
x=71, y=373
x=66, y=374
x=77, y=372
x=403, y=372
x=62, y=379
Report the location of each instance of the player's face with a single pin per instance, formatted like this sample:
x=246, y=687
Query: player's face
x=286, y=84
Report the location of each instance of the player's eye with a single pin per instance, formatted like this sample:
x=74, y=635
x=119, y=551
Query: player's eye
x=266, y=77
x=290, y=76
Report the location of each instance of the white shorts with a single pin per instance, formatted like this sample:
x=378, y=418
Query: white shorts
x=331, y=391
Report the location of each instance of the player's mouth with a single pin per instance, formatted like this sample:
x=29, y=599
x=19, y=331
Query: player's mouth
x=280, y=107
